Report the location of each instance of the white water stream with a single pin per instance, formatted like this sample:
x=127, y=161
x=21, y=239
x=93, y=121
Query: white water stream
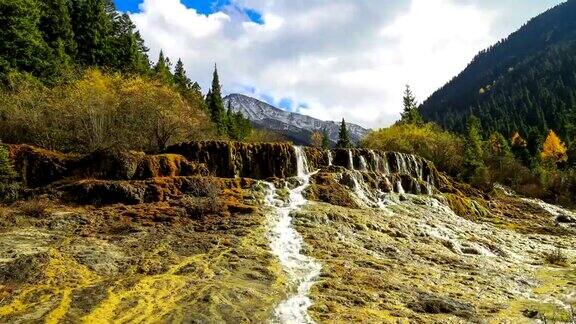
x=286, y=243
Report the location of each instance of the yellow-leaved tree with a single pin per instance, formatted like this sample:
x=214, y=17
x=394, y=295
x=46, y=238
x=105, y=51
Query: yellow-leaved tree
x=553, y=149
x=316, y=139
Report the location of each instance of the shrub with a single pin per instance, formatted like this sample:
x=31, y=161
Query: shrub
x=100, y=111
x=35, y=207
x=443, y=148
x=8, y=185
x=264, y=136
x=204, y=199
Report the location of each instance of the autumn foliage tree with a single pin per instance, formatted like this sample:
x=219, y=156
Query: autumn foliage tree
x=316, y=139
x=100, y=111
x=553, y=150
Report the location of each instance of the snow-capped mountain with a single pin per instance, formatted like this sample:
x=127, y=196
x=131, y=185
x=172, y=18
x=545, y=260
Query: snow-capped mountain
x=293, y=126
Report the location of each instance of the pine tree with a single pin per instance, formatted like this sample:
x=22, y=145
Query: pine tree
x=475, y=171
x=520, y=148
x=344, y=137
x=325, y=139
x=126, y=51
x=21, y=44
x=474, y=147
x=56, y=27
x=216, y=104
x=92, y=30
x=162, y=69
x=410, y=115
x=180, y=78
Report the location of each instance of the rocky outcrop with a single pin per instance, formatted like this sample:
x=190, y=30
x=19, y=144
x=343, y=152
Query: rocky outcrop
x=108, y=192
x=108, y=176
x=39, y=168
x=233, y=159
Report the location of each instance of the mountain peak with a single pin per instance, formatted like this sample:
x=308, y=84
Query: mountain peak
x=294, y=126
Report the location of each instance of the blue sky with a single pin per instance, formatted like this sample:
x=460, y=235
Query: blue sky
x=205, y=7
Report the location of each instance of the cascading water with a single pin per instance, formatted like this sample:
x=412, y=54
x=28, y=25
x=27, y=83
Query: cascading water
x=399, y=187
x=350, y=160
x=330, y=158
x=286, y=243
x=363, y=164
x=376, y=160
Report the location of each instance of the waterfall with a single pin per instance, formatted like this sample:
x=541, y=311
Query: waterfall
x=330, y=158
x=402, y=165
x=399, y=187
x=363, y=164
x=301, y=162
x=359, y=189
x=376, y=160
x=350, y=160
x=286, y=243
x=429, y=185
x=386, y=165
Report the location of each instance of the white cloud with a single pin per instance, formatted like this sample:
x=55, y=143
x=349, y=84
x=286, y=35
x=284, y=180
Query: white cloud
x=341, y=58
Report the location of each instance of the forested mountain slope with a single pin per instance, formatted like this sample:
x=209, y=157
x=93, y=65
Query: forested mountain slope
x=525, y=83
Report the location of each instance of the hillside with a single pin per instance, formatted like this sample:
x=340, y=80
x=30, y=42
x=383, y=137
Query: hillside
x=524, y=83
x=295, y=127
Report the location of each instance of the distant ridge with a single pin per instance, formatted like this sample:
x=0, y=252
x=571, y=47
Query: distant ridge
x=295, y=127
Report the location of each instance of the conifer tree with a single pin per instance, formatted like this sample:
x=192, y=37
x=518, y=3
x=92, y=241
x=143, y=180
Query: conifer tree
x=325, y=139
x=344, y=137
x=126, y=48
x=410, y=115
x=162, y=69
x=216, y=104
x=475, y=171
x=92, y=29
x=56, y=27
x=180, y=78
x=22, y=46
x=474, y=150
x=520, y=148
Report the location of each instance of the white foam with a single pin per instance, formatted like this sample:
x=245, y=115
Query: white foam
x=286, y=244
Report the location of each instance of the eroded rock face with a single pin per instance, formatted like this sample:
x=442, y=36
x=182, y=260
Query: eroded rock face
x=108, y=192
x=39, y=168
x=108, y=177
x=232, y=159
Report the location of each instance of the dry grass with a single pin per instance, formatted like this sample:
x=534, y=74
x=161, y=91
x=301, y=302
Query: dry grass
x=36, y=207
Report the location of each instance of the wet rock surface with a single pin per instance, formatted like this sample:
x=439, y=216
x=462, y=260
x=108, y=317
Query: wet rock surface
x=416, y=260
x=184, y=236
x=149, y=262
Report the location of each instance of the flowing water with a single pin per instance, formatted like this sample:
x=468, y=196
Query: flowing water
x=350, y=160
x=286, y=243
x=363, y=164
x=330, y=158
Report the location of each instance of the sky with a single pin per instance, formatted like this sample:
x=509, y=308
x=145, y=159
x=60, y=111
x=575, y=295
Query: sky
x=330, y=59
